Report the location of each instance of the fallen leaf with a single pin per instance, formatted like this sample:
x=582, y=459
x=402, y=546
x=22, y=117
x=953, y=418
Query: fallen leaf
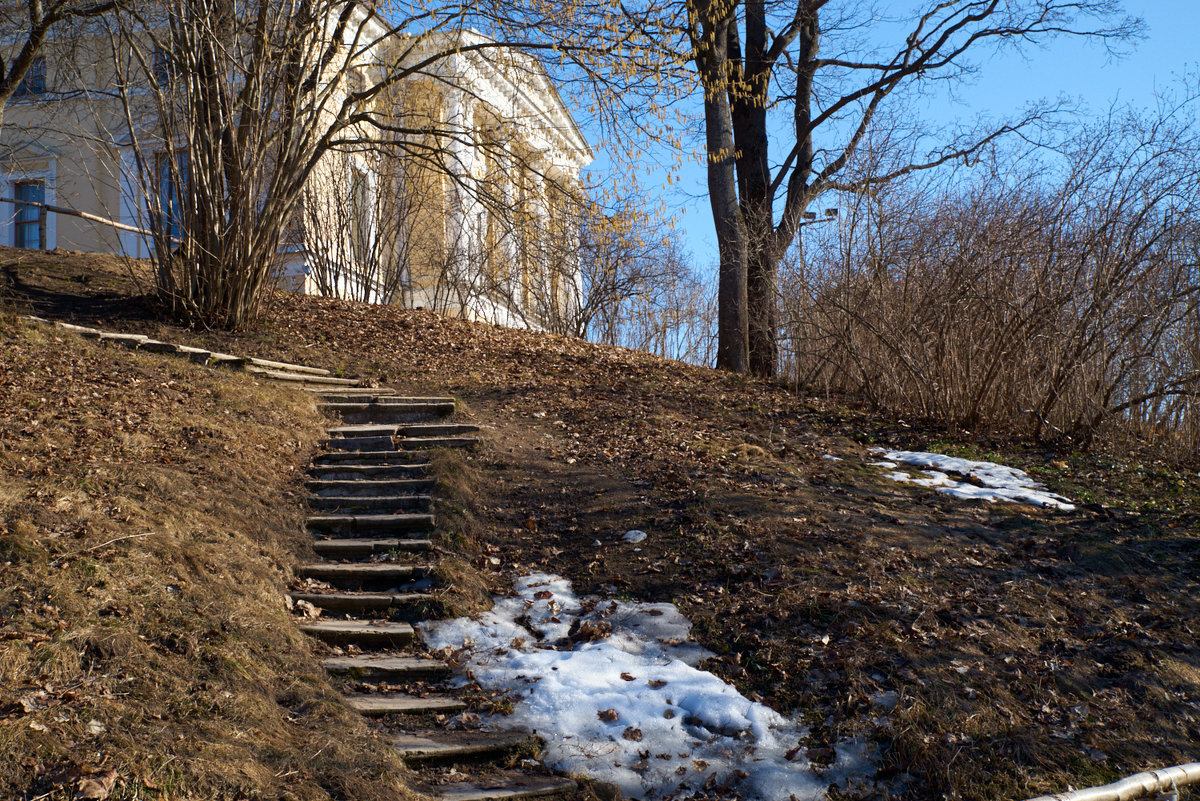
x=96, y=788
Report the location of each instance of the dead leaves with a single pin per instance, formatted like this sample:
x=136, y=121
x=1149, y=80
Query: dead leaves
x=608, y=715
x=96, y=788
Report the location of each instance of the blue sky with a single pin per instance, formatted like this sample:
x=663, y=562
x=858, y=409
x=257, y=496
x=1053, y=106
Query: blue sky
x=1005, y=85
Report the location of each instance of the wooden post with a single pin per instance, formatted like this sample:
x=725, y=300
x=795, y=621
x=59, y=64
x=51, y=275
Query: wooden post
x=42, y=226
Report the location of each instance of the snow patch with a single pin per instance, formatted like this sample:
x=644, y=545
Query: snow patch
x=634, y=535
x=999, y=483
x=614, y=689
x=829, y=457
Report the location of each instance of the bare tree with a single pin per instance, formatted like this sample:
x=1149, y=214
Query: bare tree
x=232, y=107
x=1052, y=297
x=27, y=26
x=356, y=226
x=811, y=61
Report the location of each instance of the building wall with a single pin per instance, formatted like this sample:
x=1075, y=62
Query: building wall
x=474, y=184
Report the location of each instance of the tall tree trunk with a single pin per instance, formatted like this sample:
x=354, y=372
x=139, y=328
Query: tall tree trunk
x=733, y=350
x=748, y=108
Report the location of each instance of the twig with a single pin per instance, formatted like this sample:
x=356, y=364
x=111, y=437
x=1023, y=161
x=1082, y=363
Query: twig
x=97, y=547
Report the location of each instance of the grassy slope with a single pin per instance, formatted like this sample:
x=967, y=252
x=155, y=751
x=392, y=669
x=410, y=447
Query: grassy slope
x=1028, y=650
x=148, y=517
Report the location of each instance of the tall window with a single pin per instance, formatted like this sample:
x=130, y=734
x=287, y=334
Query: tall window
x=172, y=185
x=163, y=66
x=25, y=226
x=34, y=80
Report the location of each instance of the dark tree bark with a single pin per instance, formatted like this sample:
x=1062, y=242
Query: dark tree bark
x=833, y=98
x=712, y=59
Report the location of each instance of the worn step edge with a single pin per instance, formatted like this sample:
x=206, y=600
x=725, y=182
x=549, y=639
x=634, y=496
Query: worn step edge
x=288, y=367
x=382, y=668
x=439, y=747
x=359, y=631
x=371, y=503
x=365, y=472
x=383, y=444
x=373, y=430
x=389, y=403
x=301, y=378
x=426, y=443
x=390, y=458
x=365, y=523
x=327, y=394
x=372, y=601
x=356, y=548
x=363, y=431
x=402, y=704
x=372, y=570
x=370, y=488
x=531, y=787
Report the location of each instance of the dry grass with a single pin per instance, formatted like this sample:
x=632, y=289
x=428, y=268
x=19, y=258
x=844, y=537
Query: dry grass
x=149, y=515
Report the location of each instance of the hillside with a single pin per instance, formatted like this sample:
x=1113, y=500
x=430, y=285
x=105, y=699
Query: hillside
x=988, y=650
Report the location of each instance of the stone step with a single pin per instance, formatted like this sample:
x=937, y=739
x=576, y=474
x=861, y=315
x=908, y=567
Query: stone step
x=371, y=430
x=131, y=341
x=154, y=346
x=384, y=411
x=402, y=704
x=382, y=504
x=362, y=572
x=374, y=444
x=350, y=394
x=363, y=633
x=301, y=378
x=410, y=605
x=197, y=355
x=363, y=548
x=428, y=443
x=382, y=525
x=216, y=359
x=509, y=786
x=436, y=746
x=372, y=458
x=369, y=472
x=81, y=330
x=437, y=429
x=288, y=367
x=369, y=487
x=384, y=401
x=363, y=431
x=392, y=669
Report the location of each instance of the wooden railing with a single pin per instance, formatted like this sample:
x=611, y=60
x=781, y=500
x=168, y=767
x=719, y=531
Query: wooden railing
x=1164, y=783
x=44, y=210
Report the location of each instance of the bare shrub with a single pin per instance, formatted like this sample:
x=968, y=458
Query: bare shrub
x=1051, y=301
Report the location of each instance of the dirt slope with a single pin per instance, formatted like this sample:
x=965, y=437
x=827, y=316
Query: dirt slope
x=1026, y=650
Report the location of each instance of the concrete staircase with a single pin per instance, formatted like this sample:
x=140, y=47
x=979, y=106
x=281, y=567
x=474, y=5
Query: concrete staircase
x=373, y=525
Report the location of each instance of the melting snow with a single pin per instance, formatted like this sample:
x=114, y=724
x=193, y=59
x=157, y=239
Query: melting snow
x=634, y=535
x=999, y=483
x=623, y=700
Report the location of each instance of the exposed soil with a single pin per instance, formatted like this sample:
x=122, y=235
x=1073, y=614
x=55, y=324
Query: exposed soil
x=1028, y=650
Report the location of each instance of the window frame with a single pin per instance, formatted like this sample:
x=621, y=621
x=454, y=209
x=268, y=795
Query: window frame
x=26, y=216
x=33, y=82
